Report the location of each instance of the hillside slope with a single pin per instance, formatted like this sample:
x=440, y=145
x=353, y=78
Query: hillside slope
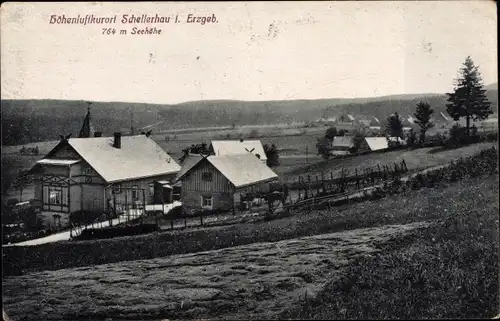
x=25, y=121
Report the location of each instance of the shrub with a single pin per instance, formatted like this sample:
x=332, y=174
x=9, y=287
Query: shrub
x=457, y=136
x=12, y=201
x=490, y=136
x=254, y=133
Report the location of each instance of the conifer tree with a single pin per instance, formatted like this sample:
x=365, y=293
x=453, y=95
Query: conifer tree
x=468, y=100
x=423, y=119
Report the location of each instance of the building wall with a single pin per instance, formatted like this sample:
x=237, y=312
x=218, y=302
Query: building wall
x=66, y=152
x=194, y=187
x=192, y=201
x=193, y=180
x=125, y=194
x=93, y=197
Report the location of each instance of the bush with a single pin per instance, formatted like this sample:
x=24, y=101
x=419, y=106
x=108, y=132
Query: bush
x=254, y=133
x=489, y=137
x=12, y=201
x=176, y=212
x=435, y=140
x=456, y=136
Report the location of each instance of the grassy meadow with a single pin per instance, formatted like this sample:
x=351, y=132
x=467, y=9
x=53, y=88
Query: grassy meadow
x=431, y=253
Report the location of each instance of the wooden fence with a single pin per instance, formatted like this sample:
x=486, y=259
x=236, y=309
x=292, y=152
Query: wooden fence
x=307, y=192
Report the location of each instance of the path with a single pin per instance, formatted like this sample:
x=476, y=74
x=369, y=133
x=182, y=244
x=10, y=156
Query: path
x=66, y=235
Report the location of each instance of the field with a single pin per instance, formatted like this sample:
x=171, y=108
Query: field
x=439, y=246
x=419, y=158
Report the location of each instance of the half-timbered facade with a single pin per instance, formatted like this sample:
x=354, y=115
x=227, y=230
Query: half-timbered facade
x=211, y=183
x=85, y=174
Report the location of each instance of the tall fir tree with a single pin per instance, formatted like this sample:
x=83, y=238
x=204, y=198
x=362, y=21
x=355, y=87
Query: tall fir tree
x=423, y=119
x=394, y=127
x=469, y=99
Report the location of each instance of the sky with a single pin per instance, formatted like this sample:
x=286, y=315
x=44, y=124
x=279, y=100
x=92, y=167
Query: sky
x=255, y=50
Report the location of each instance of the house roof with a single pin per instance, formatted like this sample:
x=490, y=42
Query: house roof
x=342, y=141
x=241, y=170
x=444, y=116
x=188, y=163
x=237, y=147
x=138, y=157
x=377, y=143
x=349, y=117
x=60, y=162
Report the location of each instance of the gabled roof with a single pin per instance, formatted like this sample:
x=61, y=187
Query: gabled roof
x=188, y=163
x=240, y=170
x=342, y=141
x=377, y=143
x=237, y=147
x=138, y=157
x=347, y=117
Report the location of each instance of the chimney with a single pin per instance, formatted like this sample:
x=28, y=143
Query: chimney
x=97, y=134
x=118, y=140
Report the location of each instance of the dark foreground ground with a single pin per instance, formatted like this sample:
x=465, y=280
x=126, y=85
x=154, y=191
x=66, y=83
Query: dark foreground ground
x=437, y=259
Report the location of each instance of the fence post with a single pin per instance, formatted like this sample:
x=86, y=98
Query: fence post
x=357, y=177
x=172, y=224
x=143, y=205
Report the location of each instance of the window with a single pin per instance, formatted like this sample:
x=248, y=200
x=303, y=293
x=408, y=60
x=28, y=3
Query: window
x=207, y=202
x=55, y=195
x=151, y=189
x=207, y=176
x=116, y=189
x=134, y=192
x=87, y=171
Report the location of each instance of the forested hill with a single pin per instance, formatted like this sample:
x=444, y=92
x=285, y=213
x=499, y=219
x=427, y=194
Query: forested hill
x=404, y=107
x=39, y=120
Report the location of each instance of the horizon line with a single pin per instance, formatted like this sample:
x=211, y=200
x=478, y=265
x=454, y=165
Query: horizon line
x=241, y=100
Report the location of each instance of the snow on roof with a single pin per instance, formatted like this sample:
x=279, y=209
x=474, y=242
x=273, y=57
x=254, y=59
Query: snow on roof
x=60, y=162
x=411, y=120
x=241, y=170
x=342, y=141
x=377, y=143
x=237, y=147
x=376, y=119
x=138, y=157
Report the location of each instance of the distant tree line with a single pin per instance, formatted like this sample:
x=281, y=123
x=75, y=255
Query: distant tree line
x=469, y=101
